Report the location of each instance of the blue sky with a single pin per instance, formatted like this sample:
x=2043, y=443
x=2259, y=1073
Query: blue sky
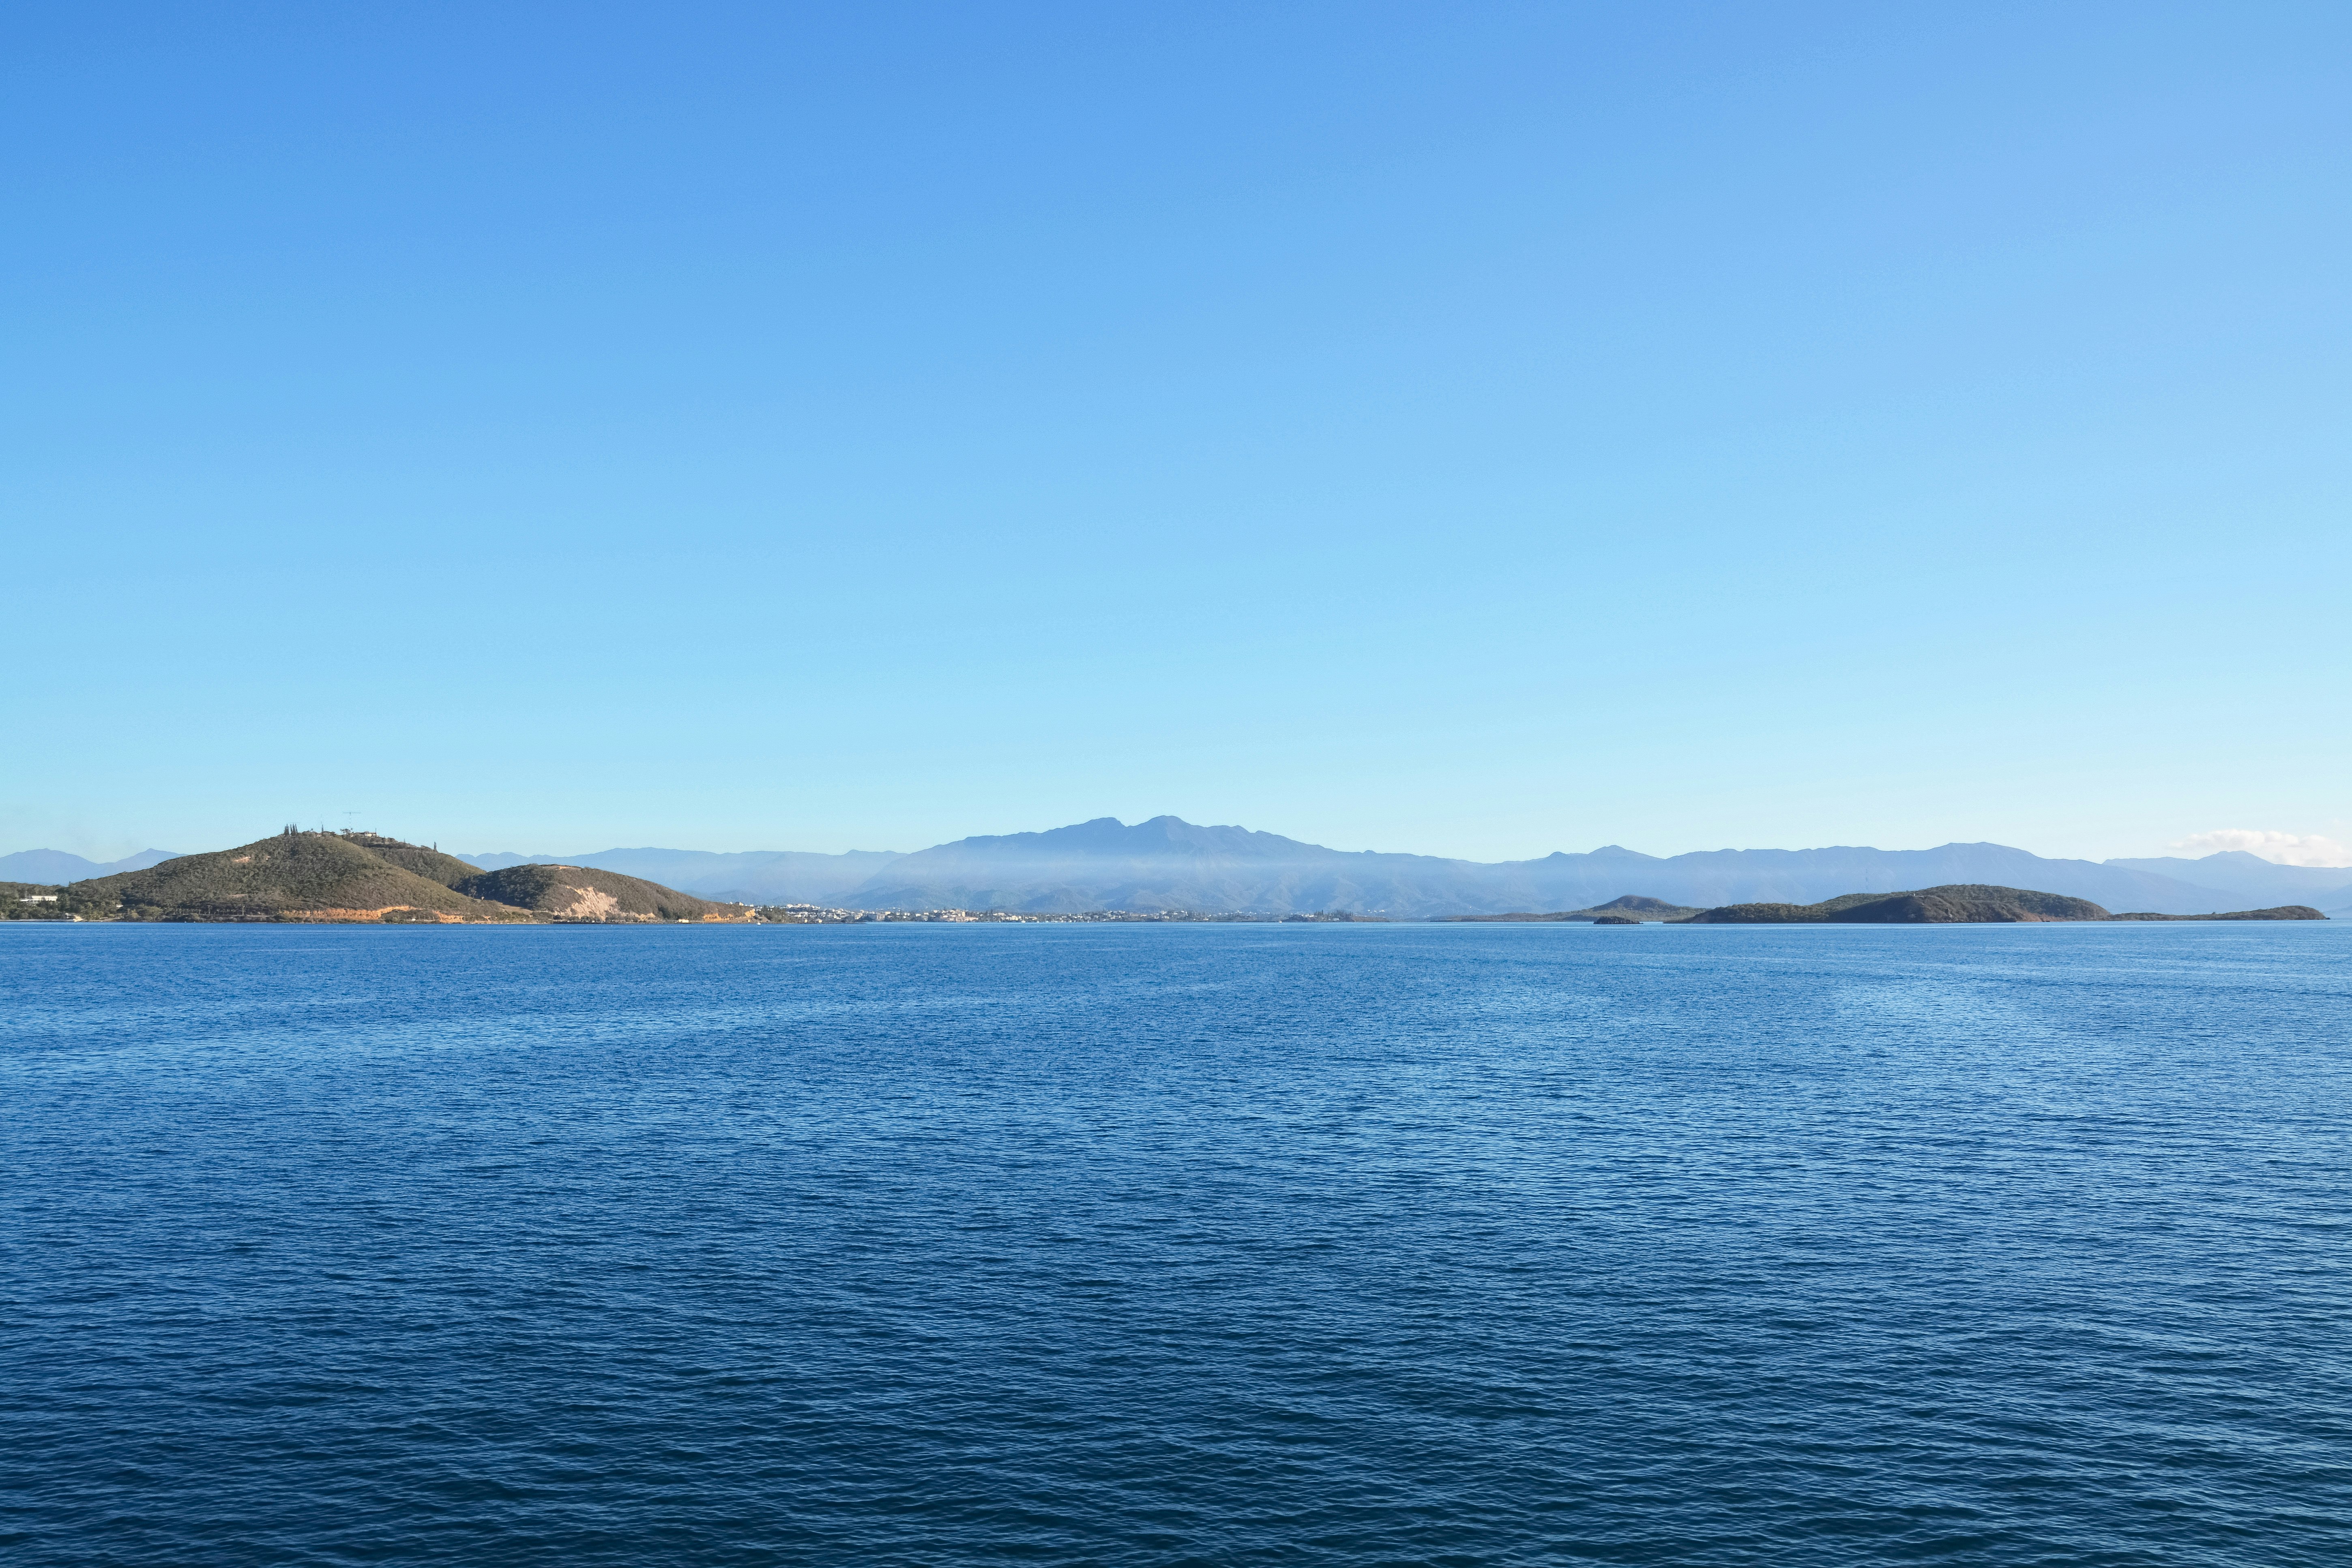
x=1473, y=430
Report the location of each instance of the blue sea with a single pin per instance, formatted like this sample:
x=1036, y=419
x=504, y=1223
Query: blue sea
x=1176, y=1244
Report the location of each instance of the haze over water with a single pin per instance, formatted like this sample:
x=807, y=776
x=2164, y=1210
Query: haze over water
x=1176, y=1244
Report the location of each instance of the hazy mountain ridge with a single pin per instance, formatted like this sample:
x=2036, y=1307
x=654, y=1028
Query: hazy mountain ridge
x=54, y=866
x=1168, y=863
x=2237, y=872
x=1165, y=863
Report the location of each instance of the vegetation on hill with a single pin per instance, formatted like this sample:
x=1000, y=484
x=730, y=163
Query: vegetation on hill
x=430, y=864
x=33, y=902
x=288, y=876
x=580, y=892
x=1961, y=903
x=296, y=876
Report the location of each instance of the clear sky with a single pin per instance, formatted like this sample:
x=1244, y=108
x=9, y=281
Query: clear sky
x=1473, y=429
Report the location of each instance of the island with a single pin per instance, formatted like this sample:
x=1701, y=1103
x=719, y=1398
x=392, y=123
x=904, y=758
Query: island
x=1958, y=904
x=1628, y=909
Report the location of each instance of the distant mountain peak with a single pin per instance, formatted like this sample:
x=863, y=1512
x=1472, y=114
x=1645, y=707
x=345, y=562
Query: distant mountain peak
x=60, y=866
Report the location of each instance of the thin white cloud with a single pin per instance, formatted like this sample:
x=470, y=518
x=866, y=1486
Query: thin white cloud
x=2281, y=848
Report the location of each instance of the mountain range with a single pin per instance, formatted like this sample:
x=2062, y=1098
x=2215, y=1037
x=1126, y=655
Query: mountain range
x=1168, y=863
x=54, y=865
x=2252, y=876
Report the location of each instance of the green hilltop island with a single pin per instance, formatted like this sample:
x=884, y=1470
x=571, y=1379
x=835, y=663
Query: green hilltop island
x=362, y=877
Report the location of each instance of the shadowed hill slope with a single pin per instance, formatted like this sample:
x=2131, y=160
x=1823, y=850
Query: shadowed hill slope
x=430, y=864
x=580, y=892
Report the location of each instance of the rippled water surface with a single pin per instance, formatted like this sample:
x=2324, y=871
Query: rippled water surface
x=1176, y=1244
